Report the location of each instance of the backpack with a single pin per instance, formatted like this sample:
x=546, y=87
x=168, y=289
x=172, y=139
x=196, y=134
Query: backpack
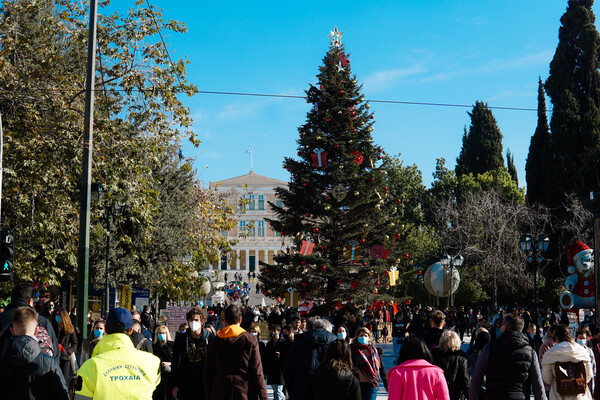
x=570, y=378
x=45, y=341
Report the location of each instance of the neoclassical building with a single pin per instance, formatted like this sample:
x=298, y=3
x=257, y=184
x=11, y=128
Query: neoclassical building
x=261, y=242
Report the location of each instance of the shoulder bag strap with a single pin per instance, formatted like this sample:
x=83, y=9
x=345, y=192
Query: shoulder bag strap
x=141, y=343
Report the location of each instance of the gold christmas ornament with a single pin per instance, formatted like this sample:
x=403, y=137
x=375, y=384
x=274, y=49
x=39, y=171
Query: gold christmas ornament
x=357, y=193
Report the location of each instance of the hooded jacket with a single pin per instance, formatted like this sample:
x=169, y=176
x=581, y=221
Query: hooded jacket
x=235, y=366
x=565, y=352
x=117, y=371
x=27, y=373
x=327, y=383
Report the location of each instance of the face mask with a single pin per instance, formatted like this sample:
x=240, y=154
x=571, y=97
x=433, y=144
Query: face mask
x=255, y=334
x=89, y=315
x=531, y=335
x=581, y=342
x=57, y=318
x=274, y=335
x=363, y=340
x=342, y=335
x=98, y=333
x=162, y=337
x=195, y=326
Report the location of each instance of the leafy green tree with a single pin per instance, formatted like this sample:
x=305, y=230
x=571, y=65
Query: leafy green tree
x=139, y=118
x=538, y=164
x=482, y=145
x=341, y=204
x=573, y=88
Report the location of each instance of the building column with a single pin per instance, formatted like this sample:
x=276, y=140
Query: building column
x=238, y=254
x=247, y=259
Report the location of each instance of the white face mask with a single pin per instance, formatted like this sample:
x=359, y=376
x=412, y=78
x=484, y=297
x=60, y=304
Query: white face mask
x=195, y=326
x=254, y=334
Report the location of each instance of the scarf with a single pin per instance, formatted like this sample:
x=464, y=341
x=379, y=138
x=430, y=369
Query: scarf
x=366, y=359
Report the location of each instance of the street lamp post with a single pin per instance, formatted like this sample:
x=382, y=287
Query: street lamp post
x=452, y=262
x=592, y=204
x=534, y=253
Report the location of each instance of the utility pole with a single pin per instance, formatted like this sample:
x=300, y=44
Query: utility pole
x=592, y=204
x=83, y=258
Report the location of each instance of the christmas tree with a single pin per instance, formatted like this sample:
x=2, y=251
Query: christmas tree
x=336, y=208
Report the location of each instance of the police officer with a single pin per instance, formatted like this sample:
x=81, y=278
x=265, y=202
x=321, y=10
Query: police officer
x=117, y=370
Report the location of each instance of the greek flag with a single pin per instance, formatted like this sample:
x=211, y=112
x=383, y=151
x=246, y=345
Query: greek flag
x=249, y=151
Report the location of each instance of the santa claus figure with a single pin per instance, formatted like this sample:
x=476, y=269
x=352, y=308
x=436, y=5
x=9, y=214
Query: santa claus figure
x=580, y=284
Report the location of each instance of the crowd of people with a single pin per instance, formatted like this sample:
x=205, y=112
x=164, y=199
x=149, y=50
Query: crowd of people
x=327, y=353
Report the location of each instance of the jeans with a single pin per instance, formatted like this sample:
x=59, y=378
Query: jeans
x=397, y=346
x=278, y=392
x=368, y=392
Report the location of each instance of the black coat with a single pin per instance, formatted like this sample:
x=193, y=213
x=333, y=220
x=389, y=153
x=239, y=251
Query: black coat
x=27, y=373
x=303, y=358
x=187, y=367
x=272, y=362
x=69, y=343
x=327, y=383
x=137, y=337
x=456, y=372
x=6, y=323
x=163, y=351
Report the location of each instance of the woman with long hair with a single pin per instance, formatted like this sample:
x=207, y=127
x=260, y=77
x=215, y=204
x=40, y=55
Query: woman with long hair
x=97, y=333
x=163, y=349
x=566, y=350
x=67, y=343
x=334, y=377
x=453, y=362
x=367, y=361
x=415, y=376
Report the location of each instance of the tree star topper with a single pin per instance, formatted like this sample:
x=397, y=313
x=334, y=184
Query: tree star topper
x=336, y=37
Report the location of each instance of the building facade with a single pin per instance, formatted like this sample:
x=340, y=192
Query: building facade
x=257, y=241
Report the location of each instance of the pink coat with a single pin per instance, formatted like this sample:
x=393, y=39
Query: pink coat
x=417, y=379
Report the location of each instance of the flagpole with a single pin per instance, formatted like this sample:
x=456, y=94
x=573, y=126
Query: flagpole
x=251, y=158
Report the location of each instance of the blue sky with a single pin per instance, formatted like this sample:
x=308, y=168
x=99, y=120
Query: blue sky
x=420, y=51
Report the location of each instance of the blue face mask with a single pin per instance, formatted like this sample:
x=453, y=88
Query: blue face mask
x=363, y=340
x=162, y=337
x=342, y=335
x=98, y=333
x=57, y=318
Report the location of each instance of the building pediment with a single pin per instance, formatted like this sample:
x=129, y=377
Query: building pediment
x=250, y=179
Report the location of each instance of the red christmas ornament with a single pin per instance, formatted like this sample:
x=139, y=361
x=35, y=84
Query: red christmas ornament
x=315, y=230
x=303, y=262
x=399, y=201
x=336, y=146
x=353, y=284
x=356, y=102
x=323, y=247
x=307, y=215
x=305, y=184
x=298, y=153
x=407, y=301
x=357, y=157
x=304, y=284
x=321, y=87
x=372, y=179
x=328, y=119
x=267, y=270
x=372, y=116
x=406, y=256
x=386, y=273
x=351, y=299
x=341, y=91
x=323, y=268
x=364, y=264
x=353, y=130
x=379, y=157
x=379, y=149
x=339, y=281
x=362, y=241
x=288, y=168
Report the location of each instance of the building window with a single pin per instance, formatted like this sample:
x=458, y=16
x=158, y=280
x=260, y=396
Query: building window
x=252, y=229
x=242, y=203
x=242, y=228
x=261, y=202
x=251, y=205
x=225, y=233
x=261, y=228
x=277, y=234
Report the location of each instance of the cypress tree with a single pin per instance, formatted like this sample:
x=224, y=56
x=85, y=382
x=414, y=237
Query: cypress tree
x=537, y=165
x=510, y=166
x=573, y=88
x=482, y=145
